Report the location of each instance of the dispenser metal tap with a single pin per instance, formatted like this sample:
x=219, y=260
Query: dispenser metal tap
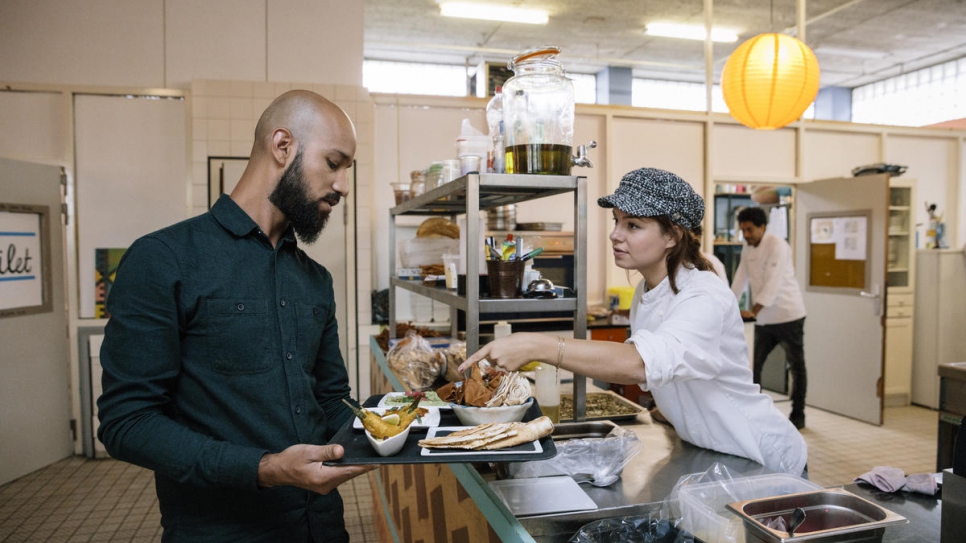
x=581, y=159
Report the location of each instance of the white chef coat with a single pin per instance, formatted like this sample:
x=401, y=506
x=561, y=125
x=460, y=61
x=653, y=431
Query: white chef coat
x=718, y=265
x=771, y=273
x=696, y=363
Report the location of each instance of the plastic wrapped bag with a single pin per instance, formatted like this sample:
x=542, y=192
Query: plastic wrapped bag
x=414, y=362
x=598, y=461
x=650, y=529
x=700, y=500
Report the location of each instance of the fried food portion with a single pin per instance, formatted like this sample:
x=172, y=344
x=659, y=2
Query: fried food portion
x=381, y=429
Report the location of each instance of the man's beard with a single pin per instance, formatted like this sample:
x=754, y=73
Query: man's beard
x=291, y=198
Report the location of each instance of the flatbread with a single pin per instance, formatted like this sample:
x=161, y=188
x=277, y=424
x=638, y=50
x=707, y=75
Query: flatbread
x=492, y=435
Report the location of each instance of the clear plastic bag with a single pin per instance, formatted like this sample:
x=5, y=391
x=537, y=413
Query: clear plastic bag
x=414, y=362
x=598, y=461
x=700, y=500
x=654, y=528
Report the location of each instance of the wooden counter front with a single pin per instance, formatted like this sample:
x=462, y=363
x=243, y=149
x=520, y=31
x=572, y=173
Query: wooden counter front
x=434, y=502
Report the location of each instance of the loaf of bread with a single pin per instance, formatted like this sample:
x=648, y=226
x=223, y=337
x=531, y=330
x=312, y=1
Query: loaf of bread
x=438, y=227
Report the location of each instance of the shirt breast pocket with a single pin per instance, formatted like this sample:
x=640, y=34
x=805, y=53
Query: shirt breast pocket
x=238, y=339
x=312, y=322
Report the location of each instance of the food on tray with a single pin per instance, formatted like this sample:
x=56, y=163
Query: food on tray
x=514, y=390
x=389, y=424
x=487, y=387
x=414, y=362
x=438, y=227
x=428, y=398
x=453, y=356
x=492, y=436
x=600, y=405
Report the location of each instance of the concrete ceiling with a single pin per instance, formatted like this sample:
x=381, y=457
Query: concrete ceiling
x=856, y=41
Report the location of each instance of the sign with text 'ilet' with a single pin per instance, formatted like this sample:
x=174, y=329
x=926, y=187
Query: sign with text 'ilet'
x=21, y=268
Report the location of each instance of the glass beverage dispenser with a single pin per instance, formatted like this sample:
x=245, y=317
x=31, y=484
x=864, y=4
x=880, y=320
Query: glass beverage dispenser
x=538, y=113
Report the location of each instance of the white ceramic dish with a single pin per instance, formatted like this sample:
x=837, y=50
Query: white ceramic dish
x=392, y=400
x=430, y=419
x=391, y=445
x=473, y=416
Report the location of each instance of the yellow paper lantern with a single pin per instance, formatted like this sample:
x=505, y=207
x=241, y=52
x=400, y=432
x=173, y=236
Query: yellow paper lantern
x=769, y=81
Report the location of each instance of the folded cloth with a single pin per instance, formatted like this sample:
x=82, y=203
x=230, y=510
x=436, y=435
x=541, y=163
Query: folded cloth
x=889, y=479
x=923, y=483
x=884, y=478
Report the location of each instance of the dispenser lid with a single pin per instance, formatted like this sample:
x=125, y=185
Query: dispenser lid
x=547, y=52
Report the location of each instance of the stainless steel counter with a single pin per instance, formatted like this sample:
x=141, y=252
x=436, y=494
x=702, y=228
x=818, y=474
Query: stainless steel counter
x=644, y=484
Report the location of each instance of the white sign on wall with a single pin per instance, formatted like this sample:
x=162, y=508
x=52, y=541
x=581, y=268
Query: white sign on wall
x=23, y=237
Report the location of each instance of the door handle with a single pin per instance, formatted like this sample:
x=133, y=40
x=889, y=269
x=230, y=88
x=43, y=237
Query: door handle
x=874, y=295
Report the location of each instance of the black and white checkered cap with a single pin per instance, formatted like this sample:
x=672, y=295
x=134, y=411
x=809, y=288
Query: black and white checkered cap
x=650, y=192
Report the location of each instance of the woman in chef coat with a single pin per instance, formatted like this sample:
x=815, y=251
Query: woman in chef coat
x=687, y=345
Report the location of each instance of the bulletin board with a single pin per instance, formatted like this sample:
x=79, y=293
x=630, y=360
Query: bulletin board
x=25, y=282
x=838, y=251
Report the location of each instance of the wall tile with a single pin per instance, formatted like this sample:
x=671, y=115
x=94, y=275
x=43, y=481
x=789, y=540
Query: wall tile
x=199, y=129
x=242, y=129
x=219, y=108
x=241, y=147
x=219, y=148
x=263, y=89
x=199, y=105
x=240, y=108
x=199, y=148
x=219, y=87
x=240, y=89
x=219, y=129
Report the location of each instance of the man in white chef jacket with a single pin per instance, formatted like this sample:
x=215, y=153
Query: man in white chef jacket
x=778, y=310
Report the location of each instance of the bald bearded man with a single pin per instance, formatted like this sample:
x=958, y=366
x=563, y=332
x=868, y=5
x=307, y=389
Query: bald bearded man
x=222, y=369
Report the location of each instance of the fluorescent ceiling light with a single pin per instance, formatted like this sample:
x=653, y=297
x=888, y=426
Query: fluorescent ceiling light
x=492, y=12
x=690, y=32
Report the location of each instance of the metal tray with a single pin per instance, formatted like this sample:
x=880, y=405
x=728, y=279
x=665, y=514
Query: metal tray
x=358, y=450
x=629, y=409
x=565, y=431
x=833, y=514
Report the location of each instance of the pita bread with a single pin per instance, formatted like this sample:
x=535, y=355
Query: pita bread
x=492, y=436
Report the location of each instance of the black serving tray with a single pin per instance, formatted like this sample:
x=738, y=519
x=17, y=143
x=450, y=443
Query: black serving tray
x=358, y=450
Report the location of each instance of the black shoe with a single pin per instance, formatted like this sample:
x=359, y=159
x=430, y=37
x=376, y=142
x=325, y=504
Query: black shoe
x=798, y=419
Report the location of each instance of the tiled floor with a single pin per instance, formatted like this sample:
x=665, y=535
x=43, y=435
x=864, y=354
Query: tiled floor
x=78, y=499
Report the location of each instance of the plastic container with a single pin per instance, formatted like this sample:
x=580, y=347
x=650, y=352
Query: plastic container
x=704, y=511
x=625, y=296
x=538, y=115
x=425, y=251
x=417, y=185
x=547, y=380
x=494, y=120
x=450, y=266
x=402, y=192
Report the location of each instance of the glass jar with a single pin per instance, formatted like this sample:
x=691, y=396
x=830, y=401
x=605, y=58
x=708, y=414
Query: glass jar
x=538, y=113
x=417, y=184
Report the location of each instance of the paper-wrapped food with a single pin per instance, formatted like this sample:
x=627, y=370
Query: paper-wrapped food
x=414, y=362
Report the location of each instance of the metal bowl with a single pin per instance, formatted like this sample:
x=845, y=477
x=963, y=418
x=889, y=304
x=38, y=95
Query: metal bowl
x=540, y=288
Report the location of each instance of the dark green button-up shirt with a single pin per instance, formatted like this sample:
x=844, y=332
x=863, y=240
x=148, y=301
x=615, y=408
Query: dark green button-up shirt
x=221, y=348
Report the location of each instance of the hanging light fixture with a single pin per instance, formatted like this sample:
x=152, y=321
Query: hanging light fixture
x=769, y=81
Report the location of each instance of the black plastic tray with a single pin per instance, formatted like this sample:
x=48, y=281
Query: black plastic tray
x=358, y=450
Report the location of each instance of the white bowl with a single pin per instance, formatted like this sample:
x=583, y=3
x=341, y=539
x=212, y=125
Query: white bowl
x=390, y=445
x=474, y=416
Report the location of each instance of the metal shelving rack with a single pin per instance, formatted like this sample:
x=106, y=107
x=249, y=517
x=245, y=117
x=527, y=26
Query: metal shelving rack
x=469, y=195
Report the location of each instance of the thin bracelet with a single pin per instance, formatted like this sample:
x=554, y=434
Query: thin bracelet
x=561, y=346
